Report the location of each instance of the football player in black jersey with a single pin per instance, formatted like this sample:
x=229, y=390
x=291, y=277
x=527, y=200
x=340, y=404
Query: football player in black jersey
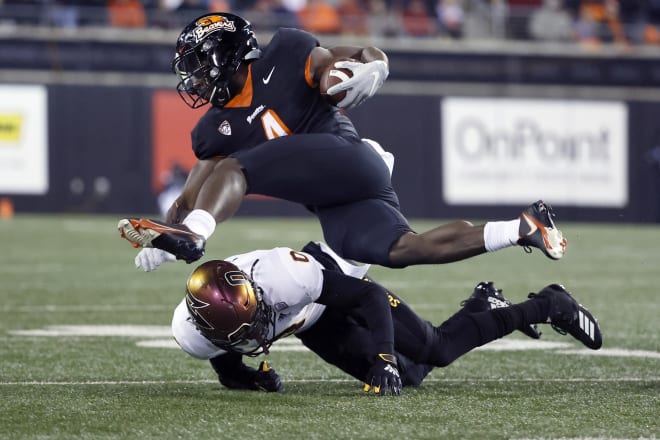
x=269, y=131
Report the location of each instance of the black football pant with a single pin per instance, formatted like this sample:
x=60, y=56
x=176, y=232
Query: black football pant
x=343, y=341
x=342, y=179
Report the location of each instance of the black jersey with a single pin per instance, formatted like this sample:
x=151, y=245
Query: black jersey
x=279, y=98
x=293, y=145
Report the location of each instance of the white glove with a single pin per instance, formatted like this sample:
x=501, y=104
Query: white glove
x=366, y=80
x=149, y=259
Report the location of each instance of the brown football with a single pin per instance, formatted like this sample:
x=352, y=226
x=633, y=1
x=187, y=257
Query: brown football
x=332, y=76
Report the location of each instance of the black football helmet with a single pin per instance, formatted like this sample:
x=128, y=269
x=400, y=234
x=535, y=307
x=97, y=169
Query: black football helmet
x=209, y=51
x=227, y=308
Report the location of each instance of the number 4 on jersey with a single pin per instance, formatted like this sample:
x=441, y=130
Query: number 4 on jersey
x=273, y=125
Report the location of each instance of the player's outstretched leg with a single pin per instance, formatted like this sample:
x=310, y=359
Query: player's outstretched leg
x=486, y=297
x=177, y=239
x=537, y=229
x=568, y=316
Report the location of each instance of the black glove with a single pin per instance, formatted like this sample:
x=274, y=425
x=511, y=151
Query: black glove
x=247, y=378
x=267, y=379
x=384, y=376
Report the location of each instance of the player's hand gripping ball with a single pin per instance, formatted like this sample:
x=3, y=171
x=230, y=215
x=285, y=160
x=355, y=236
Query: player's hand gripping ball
x=333, y=76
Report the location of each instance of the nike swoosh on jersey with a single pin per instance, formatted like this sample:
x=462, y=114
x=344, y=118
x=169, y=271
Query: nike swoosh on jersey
x=266, y=80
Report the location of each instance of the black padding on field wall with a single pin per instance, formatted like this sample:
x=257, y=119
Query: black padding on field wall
x=100, y=158
x=99, y=151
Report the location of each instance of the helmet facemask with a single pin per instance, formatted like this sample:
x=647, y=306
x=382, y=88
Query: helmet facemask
x=206, y=60
x=204, y=75
x=251, y=339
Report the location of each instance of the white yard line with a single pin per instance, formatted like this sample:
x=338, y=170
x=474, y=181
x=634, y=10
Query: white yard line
x=85, y=308
x=160, y=336
x=428, y=380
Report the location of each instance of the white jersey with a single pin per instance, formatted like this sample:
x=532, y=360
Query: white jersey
x=291, y=282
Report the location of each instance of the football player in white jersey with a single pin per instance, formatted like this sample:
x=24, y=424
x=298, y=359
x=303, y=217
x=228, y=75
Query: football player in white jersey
x=242, y=305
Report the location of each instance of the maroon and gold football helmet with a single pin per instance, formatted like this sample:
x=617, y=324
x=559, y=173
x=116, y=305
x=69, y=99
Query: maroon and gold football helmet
x=227, y=308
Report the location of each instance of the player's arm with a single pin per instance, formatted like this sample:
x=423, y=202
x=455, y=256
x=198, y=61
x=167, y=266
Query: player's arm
x=369, y=301
x=234, y=374
x=149, y=259
x=369, y=72
x=196, y=178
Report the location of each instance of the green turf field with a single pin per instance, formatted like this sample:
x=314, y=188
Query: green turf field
x=85, y=351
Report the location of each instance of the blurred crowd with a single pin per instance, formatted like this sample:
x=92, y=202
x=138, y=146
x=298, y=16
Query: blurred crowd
x=588, y=22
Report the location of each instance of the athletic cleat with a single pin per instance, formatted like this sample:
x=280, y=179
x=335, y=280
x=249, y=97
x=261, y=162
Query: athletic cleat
x=568, y=316
x=486, y=297
x=175, y=239
x=537, y=229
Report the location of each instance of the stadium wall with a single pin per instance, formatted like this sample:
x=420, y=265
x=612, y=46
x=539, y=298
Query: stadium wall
x=109, y=150
x=93, y=125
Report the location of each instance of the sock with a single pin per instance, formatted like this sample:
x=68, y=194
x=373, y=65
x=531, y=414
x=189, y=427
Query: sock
x=200, y=222
x=536, y=310
x=499, y=235
x=532, y=311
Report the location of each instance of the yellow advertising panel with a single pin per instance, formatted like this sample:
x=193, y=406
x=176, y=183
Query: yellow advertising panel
x=23, y=139
x=10, y=127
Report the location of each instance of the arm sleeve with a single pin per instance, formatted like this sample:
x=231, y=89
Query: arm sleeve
x=367, y=300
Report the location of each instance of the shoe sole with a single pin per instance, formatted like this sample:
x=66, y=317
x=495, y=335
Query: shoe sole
x=554, y=244
x=141, y=233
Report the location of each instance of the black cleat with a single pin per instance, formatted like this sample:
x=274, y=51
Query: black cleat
x=486, y=297
x=537, y=229
x=175, y=239
x=568, y=316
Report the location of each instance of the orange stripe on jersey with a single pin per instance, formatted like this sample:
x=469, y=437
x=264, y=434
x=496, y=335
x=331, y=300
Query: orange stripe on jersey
x=308, y=73
x=243, y=99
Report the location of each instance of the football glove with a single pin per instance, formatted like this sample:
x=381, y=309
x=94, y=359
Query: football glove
x=267, y=379
x=384, y=376
x=247, y=378
x=149, y=259
x=366, y=80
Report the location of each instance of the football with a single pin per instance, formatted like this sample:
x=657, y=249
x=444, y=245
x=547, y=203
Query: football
x=332, y=76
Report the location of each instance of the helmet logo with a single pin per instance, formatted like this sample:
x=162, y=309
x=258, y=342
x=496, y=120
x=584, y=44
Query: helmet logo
x=194, y=305
x=225, y=128
x=208, y=25
x=236, y=278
